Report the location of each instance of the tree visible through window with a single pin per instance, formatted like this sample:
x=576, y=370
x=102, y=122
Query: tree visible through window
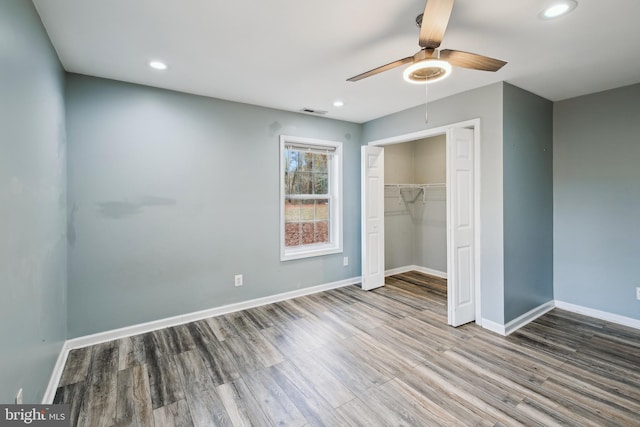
x=309, y=197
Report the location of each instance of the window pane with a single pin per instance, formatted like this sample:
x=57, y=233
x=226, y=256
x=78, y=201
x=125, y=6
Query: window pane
x=292, y=211
x=288, y=183
x=320, y=162
x=291, y=160
x=292, y=234
x=306, y=161
x=322, y=210
x=322, y=232
x=291, y=166
x=305, y=183
x=308, y=236
x=297, y=183
x=307, y=210
x=320, y=183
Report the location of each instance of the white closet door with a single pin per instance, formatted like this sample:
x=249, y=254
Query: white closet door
x=372, y=180
x=460, y=263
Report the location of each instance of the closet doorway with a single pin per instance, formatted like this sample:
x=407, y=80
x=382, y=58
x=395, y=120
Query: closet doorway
x=422, y=209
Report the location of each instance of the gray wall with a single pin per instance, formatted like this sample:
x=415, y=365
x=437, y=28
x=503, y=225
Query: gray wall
x=528, y=201
x=596, y=167
x=431, y=228
x=171, y=194
x=399, y=239
x=32, y=204
x=484, y=103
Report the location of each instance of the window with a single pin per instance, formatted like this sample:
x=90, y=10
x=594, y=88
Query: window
x=310, y=197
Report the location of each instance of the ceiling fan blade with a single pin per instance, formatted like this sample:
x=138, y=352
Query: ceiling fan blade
x=471, y=60
x=434, y=22
x=378, y=70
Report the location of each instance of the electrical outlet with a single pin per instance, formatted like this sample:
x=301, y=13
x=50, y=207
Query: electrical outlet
x=638, y=293
x=19, y=397
x=238, y=280
x=345, y=261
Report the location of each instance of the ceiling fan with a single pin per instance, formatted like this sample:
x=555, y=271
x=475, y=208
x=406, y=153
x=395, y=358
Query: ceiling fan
x=430, y=64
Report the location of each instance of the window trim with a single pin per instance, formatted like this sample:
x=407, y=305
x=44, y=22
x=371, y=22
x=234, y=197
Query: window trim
x=335, y=201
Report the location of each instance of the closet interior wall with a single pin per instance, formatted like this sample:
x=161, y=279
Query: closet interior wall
x=415, y=204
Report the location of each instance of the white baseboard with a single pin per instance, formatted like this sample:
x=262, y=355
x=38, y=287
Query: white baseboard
x=142, y=328
x=56, y=374
x=532, y=315
x=199, y=315
x=408, y=268
x=430, y=271
x=519, y=321
x=398, y=270
x=528, y=317
x=494, y=327
x=602, y=315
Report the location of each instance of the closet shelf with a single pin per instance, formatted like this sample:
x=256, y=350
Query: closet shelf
x=421, y=187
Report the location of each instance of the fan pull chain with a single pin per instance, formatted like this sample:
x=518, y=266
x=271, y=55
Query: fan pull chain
x=426, y=102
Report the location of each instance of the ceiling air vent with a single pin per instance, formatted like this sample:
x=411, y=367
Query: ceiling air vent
x=312, y=111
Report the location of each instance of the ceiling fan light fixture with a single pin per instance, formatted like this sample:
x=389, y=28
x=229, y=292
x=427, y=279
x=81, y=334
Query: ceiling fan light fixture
x=427, y=71
x=558, y=9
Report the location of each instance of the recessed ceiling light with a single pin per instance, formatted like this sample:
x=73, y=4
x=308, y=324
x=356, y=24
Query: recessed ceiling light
x=338, y=103
x=157, y=65
x=558, y=8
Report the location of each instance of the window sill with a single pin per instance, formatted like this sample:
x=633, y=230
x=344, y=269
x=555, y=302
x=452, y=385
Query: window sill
x=309, y=252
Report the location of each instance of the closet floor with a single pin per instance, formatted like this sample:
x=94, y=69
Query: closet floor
x=346, y=357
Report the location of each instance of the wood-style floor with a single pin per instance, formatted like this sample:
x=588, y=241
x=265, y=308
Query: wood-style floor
x=352, y=358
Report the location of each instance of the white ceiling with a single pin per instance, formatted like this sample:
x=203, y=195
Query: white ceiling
x=290, y=54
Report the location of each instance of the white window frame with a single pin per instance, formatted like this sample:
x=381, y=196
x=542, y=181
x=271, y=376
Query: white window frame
x=335, y=201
